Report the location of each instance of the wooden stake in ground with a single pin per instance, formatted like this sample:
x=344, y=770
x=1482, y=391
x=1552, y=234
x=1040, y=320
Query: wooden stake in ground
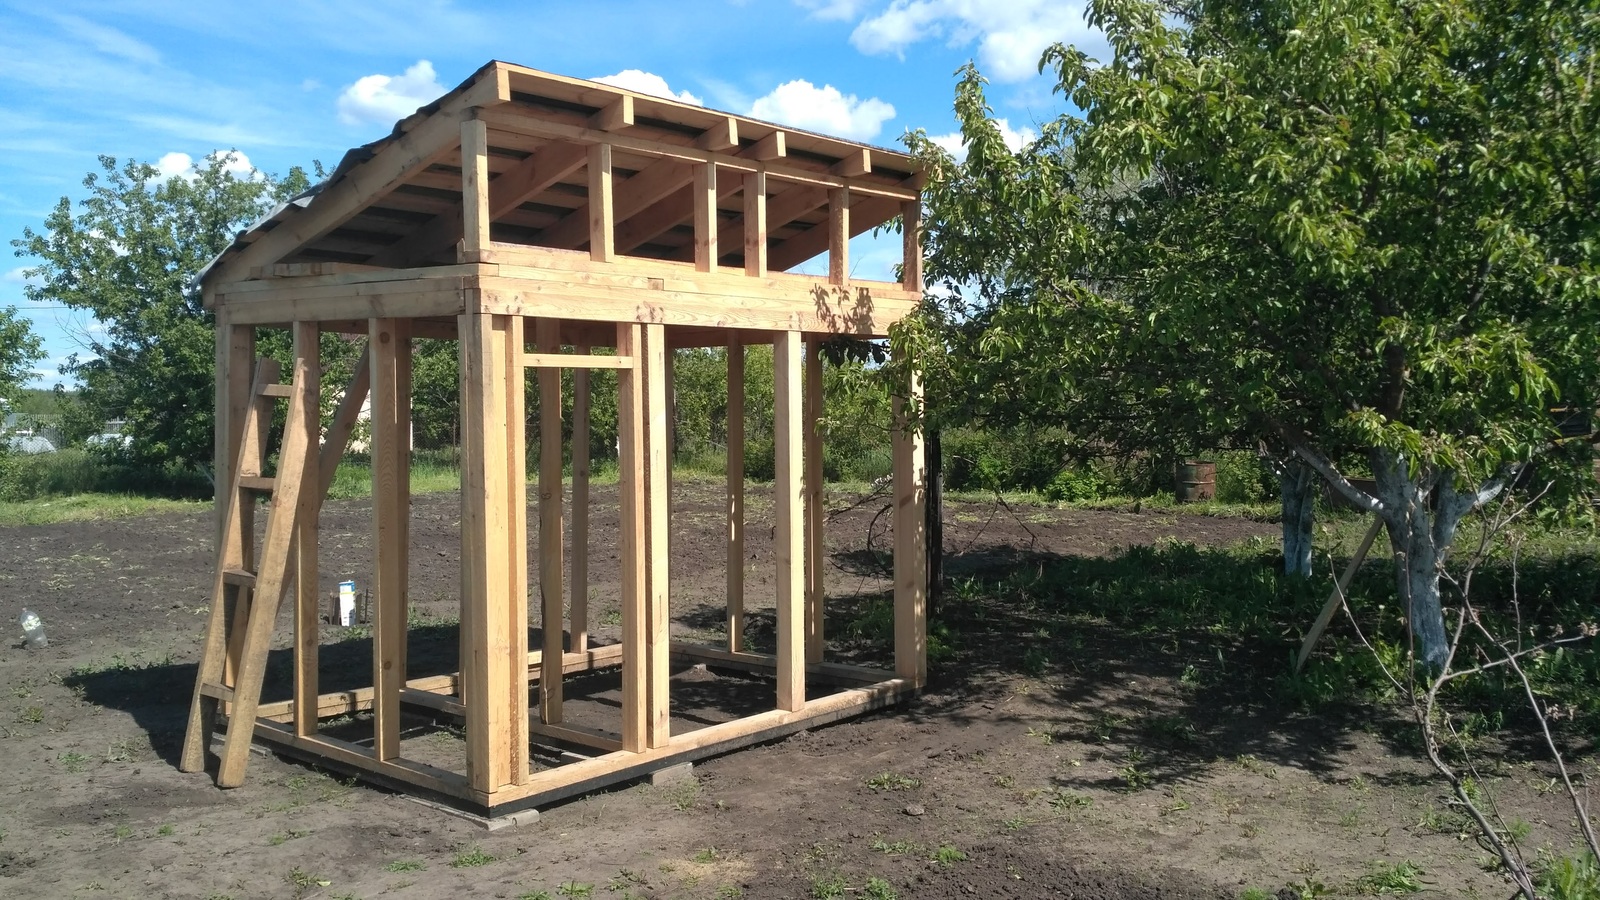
x=1334, y=599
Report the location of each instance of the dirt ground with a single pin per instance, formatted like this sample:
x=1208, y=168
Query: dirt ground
x=1112, y=777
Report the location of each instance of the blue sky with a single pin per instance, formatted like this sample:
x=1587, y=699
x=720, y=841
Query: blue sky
x=292, y=81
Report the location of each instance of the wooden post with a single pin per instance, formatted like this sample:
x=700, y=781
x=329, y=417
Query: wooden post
x=705, y=217
x=755, y=224
x=839, y=235
x=602, y=208
x=657, y=725
x=788, y=513
x=735, y=492
x=910, y=541
x=815, y=555
x=236, y=362
x=632, y=533
x=580, y=506
x=494, y=602
x=236, y=348
x=307, y=347
x=548, y=336
x=1336, y=599
x=474, y=186
x=391, y=510
x=911, y=245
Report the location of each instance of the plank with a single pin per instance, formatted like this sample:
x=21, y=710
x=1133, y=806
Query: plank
x=548, y=332
x=345, y=417
x=815, y=553
x=910, y=540
x=391, y=454
x=754, y=224
x=782, y=209
x=653, y=363
x=215, y=650
x=632, y=536
x=839, y=235
x=545, y=167
x=911, y=245
x=601, y=208
x=865, y=214
x=514, y=462
x=488, y=644
x=579, y=604
x=764, y=156
x=474, y=184
x=1336, y=599
x=579, y=361
x=735, y=497
x=403, y=157
x=788, y=517
x=647, y=187
x=271, y=577
x=616, y=114
x=705, y=217
x=307, y=596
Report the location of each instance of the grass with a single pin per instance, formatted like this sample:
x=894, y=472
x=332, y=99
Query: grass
x=947, y=856
x=892, y=781
x=1399, y=878
x=89, y=507
x=472, y=858
x=829, y=887
x=405, y=865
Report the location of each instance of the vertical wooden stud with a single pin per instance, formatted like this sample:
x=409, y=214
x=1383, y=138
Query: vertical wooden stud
x=814, y=553
x=515, y=698
x=911, y=241
x=735, y=491
x=236, y=352
x=755, y=224
x=632, y=533
x=306, y=595
x=495, y=695
x=236, y=540
x=788, y=513
x=474, y=186
x=839, y=235
x=602, y=207
x=910, y=541
x=548, y=336
x=657, y=725
x=391, y=501
x=580, y=506
x=705, y=217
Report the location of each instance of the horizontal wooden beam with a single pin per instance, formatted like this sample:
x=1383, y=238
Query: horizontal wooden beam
x=575, y=361
x=507, y=118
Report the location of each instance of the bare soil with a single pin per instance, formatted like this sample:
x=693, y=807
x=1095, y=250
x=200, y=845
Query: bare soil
x=1114, y=776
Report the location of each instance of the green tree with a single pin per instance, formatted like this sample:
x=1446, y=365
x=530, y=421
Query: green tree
x=1357, y=225
x=20, y=348
x=129, y=256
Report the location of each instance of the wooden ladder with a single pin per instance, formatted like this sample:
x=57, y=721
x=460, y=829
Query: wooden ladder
x=245, y=598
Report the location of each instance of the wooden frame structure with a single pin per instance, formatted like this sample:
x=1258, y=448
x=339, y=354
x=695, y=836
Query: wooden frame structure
x=524, y=214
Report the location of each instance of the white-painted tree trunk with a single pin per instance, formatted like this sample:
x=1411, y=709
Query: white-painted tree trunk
x=1422, y=510
x=1297, y=483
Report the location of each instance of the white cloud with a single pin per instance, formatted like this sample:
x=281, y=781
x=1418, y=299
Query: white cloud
x=108, y=40
x=1015, y=138
x=833, y=10
x=1011, y=34
x=177, y=164
x=386, y=99
x=802, y=104
x=19, y=275
x=647, y=83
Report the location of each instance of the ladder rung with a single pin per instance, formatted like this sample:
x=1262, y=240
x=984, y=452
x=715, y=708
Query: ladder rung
x=261, y=483
x=277, y=390
x=217, y=692
x=239, y=577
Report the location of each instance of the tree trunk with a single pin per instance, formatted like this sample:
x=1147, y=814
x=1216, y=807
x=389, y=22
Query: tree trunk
x=1297, y=484
x=1421, y=527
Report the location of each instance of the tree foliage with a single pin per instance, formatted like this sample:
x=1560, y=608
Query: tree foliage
x=129, y=255
x=20, y=348
x=1350, y=225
